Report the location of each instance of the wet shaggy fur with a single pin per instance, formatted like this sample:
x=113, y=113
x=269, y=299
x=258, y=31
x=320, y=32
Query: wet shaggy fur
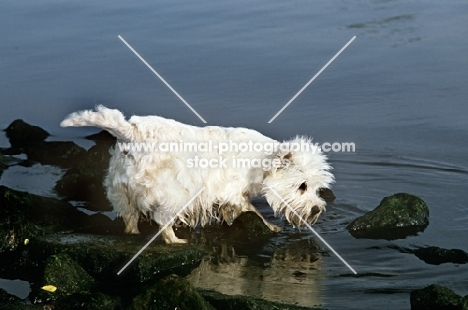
x=159, y=184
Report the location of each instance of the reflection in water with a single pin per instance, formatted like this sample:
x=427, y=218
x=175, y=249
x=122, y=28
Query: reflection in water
x=290, y=275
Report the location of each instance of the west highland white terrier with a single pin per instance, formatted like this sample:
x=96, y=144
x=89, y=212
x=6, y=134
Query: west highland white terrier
x=159, y=165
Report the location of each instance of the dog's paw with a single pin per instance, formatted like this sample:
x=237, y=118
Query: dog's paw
x=274, y=228
x=179, y=241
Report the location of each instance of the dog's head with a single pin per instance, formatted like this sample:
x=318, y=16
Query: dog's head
x=292, y=188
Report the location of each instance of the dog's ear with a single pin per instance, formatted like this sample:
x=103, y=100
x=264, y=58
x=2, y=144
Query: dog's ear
x=281, y=160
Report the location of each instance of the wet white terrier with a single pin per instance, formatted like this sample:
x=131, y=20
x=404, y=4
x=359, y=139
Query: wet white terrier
x=233, y=165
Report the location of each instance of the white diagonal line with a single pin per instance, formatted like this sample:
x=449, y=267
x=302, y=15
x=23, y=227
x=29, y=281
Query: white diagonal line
x=311, y=80
x=160, y=230
x=162, y=79
x=313, y=230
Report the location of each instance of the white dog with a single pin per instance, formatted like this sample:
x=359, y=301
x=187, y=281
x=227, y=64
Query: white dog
x=240, y=164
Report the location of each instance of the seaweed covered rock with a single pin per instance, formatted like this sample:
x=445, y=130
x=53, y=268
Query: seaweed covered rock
x=89, y=301
x=104, y=256
x=171, y=292
x=64, y=274
x=26, y=215
x=436, y=256
x=21, y=134
x=397, y=216
x=437, y=297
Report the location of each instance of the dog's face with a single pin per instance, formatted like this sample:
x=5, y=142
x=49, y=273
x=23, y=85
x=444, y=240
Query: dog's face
x=292, y=189
x=229, y=212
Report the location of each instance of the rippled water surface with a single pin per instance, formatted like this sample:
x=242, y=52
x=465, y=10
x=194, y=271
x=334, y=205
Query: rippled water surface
x=398, y=92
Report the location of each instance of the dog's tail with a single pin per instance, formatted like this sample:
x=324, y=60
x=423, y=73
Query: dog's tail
x=109, y=119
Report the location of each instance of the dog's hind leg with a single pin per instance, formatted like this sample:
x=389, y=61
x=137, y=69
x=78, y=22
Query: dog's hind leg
x=169, y=236
x=250, y=207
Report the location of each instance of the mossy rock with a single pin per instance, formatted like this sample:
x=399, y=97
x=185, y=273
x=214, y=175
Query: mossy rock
x=397, y=216
x=66, y=275
x=26, y=215
x=104, y=256
x=89, y=301
x=436, y=297
x=171, y=293
x=22, y=134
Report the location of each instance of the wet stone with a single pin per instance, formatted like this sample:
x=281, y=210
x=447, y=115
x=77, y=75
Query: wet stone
x=437, y=297
x=397, y=216
x=436, y=256
x=66, y=275
x=56, y=153
x=84, y=181
x=22, y=134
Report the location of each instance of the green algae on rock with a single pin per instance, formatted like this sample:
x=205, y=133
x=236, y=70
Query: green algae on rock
x=437, y=297
x=396, y=217
x=66, y=275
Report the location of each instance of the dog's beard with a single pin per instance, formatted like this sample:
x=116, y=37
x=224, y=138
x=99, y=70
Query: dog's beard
x=301, y=214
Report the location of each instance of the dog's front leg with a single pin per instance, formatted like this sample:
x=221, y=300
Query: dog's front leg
x=170, y=238
x=250, y=207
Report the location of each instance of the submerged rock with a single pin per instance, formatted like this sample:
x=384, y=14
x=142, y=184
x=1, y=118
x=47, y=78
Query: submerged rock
x=397, y=216
x=171, y=292
x=437, y=297
x=21, y=134
x=436, y=256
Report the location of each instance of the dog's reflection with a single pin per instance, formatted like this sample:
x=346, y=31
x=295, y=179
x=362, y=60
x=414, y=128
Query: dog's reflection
x=290, y=275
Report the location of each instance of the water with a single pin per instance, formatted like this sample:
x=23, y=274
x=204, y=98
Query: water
x=398, y=92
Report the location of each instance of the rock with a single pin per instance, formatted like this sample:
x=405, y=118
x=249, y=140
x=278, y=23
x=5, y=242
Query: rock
x=225, y=302
x=397, y=216
x=26, y=215
x=326, y=194
x=21, y=134
x=84, y=181
x=57, y=153
x=89, y=301
x=248, y=227
x=171, y=292
x=3, y=164
x=103, y=256
x=436, y=256
x=436, y=297
x=6, y=298
x=66, y=275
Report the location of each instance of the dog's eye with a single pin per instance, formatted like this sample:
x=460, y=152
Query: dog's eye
x=303, y=187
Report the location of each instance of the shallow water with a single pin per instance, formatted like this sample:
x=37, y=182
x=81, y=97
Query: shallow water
x=398, y=92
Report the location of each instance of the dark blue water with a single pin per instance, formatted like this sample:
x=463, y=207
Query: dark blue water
x=398, y=92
